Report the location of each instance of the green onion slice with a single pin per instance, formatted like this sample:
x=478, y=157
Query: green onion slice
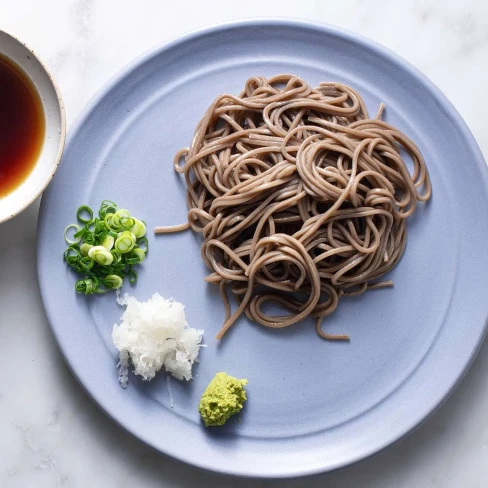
x=107, y=207
x=86, y=263
x=88, y=285
x=82, y=231
x=82, y=211
x=136, y=256
x=101, y=255
x=108, y=242
x=112, y=282
x=76, y=238
x=111, y=224
x=143, y=244
x=85, y=248
x=132, y=276
x=100, y=229
x=125, y=242
x=122, y=213
x=127, y=222
x=117, y=256
x=90, y=239
x=90, y=226
x=139, y=228
x=72, y=251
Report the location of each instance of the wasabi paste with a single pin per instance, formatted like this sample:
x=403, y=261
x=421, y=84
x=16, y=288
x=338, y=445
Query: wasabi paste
x=224, y=397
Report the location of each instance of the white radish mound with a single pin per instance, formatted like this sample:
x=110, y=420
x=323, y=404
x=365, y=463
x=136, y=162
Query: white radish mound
x=154, y=334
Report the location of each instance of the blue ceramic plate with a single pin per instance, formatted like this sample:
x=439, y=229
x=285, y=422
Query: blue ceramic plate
x=313, y=405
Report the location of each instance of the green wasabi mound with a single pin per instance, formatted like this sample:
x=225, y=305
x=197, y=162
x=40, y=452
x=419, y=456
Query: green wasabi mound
x=223, y=397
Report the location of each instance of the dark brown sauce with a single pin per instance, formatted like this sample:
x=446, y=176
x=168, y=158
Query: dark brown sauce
x=22, y=125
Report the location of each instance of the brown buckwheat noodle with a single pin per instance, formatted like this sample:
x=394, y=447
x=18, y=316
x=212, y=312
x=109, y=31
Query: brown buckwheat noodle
x=301, y=198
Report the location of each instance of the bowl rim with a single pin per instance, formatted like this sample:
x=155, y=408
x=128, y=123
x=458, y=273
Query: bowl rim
x=62, y=141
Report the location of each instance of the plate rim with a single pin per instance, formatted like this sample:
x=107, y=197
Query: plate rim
x=322, y=28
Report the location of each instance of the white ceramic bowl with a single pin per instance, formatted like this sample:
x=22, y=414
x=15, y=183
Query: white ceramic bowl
x=55, y=133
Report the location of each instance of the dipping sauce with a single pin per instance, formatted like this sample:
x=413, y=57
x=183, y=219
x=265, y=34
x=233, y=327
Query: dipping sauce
x=22, y=125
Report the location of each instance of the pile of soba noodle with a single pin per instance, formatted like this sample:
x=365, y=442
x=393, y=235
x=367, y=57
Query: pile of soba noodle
x=301, y=198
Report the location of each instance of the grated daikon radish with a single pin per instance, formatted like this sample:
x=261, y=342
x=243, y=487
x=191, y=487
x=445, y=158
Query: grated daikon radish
x=154, y=334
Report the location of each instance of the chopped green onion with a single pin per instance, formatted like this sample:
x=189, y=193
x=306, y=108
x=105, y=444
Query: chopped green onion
x=101, y=255
x=86, y=263
x=76, y=239
x=117, y=256
x=72, y=251
x=105, y=248
x=100, y=230
x=139, y=228
x=122, y=212
x=113, y=281
x=108, y=220
x=108, y=242
x=107, y=207
x=132, y=276
x=116, y=223
x=143, y=244
x=90, y=239
x=136, y=256
x=127, y=222
x=81, y=232
x=84, y=210
x=125, y=242
x=88, y=285
x=139, y=253
x=85, y=248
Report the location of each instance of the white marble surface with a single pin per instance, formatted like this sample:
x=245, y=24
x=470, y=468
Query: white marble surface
x=51, y=434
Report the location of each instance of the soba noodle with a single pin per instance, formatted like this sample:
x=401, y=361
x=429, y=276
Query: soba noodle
x=301, y=198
